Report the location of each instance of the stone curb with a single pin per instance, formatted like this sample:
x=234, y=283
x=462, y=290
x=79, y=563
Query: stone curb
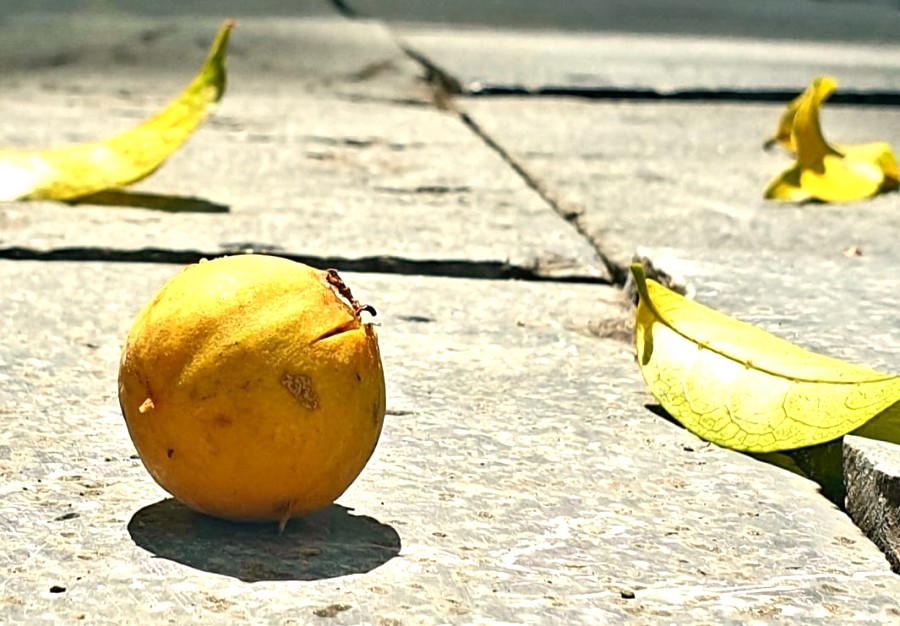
x=872, y=476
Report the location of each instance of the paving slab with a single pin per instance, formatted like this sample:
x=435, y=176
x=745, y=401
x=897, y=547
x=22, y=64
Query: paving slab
x=485, y=60
x=703, y=48
x=304, y=174
x=832, y=20
x=682, y=184
x=304, y=166
x=155, y=52
x=520, y=479
x=873, y=501
x=689, y=176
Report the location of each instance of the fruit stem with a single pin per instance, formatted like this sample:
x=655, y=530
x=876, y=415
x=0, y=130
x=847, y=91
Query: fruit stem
x=343, y=290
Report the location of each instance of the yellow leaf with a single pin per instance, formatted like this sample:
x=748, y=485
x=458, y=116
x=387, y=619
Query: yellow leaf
x=740, y=387
x=786, y=122
x=71, y=172
x=822, y=171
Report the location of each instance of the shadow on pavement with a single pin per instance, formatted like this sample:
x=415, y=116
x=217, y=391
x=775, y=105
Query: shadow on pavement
x=156, y=202
x=330, y=543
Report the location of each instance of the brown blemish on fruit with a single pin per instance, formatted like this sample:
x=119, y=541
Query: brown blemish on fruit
x=146, y=406
x=301, y=388
x=170, y=452
x=223, y=420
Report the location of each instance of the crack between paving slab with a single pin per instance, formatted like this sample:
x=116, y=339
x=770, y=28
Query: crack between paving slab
x=572, y=215
x=488, y=90
x=444, y=88
x=867, y=98
x=345, y=9
x=384, y=264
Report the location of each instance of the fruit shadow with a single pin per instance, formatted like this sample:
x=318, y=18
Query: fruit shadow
x=152, y=201
x=329, y=543
x=822, y=464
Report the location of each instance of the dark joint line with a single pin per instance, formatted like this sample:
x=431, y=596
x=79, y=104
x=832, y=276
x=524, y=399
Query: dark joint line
x=867, y=98
x=450, y=268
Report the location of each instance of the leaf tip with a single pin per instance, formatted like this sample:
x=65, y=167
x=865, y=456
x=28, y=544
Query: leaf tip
x=221, y=41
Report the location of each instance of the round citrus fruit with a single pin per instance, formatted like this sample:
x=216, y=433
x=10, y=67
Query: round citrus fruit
x=251, y=388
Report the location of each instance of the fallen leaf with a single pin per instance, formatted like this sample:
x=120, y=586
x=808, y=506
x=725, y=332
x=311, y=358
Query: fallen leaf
x=740, y=387
x=782, y=134
x=822, y=171
x=71, y=172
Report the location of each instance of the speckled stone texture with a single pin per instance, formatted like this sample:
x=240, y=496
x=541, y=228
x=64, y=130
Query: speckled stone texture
x=520, y=478
x=524, y=474
x=302, y=154
x=313, y=176
x=690, y=176
x=484, y=59
x=873, y=21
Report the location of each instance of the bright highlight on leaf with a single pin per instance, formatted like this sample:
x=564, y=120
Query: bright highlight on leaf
x=822, y=171
x=79, y=170
x=740, y=387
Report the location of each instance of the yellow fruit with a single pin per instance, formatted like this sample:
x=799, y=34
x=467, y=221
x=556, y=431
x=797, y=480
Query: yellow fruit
x=251, y=388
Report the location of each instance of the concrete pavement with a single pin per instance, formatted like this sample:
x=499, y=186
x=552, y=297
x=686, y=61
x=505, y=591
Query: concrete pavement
x=523, y=475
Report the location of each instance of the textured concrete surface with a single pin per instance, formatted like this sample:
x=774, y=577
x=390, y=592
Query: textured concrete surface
x=481, y=58
x=519, y=480
x=872, y=470
x=689, y=176
x=524, y=474
x=79, y=52
x=300, y=174
x=838, y=20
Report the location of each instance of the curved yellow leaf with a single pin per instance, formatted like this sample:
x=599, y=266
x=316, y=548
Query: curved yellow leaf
x=822, y=171
x=821, y=88
x=71, y=172
x=740, y=387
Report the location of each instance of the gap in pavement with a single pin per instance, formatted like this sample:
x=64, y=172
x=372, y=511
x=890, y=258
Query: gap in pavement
x=384, y=264
x=778, y=96
x=445, y=87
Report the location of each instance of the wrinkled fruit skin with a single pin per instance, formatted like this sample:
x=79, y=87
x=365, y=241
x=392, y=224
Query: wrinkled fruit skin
x=251, y=389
